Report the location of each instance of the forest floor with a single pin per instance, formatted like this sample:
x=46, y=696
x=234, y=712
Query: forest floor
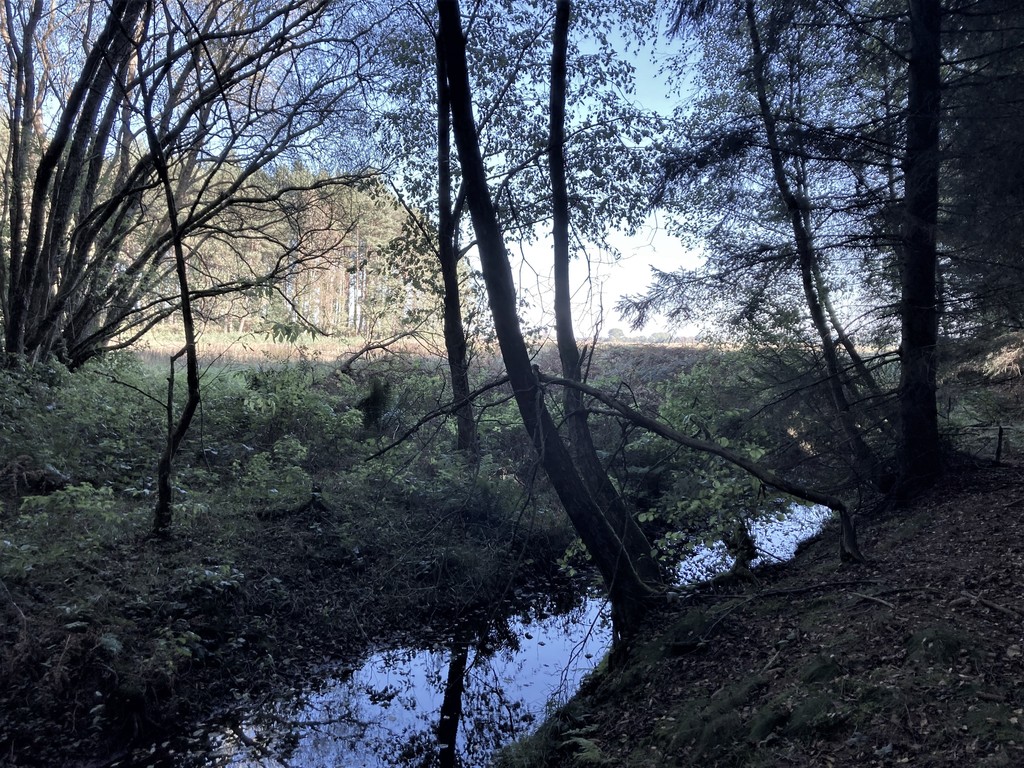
x=914, y=658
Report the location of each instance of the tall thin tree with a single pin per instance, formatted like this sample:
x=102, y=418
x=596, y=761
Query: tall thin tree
x=630, y=593
x=581, y=443
x=919, y=453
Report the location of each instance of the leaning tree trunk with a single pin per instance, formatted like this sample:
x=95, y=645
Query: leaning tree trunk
x=44, y=203
x=580, y=439
x=920, y=457
x=631, y=595
x=797, y=209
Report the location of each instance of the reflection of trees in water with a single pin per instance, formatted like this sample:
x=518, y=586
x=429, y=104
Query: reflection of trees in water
x=446, y=753
x=406, y=708
x=477, y=689
x=449, y=707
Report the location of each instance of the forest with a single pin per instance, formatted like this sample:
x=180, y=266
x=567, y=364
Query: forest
x=318, y=397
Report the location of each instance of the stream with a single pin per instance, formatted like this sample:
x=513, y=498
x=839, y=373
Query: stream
x=457, y=701
x=455, y=704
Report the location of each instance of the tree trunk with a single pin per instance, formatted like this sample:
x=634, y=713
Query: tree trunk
x=454, y=331
x=40, y=229
x=797, y=209
x=631, y=596
x=581, y=442
x=864, y=376
x=176, y=430
x=451, y=705
x=920, y=460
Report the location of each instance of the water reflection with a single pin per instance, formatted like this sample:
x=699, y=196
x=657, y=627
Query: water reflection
x=453, y=705
x=459, y=700
x=776, y=541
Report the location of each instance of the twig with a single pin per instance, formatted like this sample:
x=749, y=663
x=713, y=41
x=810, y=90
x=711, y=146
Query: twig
x=10, y=597
x=706, y=446
x=246, y=739
x=114, y=380
x=779, y=593
x=874, y=599
x=345, y=368
x=901, y=590
x=993, y=606
x=445, y=410
x=771, y=661
x=355, y=620
x=768, y=553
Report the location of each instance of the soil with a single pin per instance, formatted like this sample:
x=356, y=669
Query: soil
x=914, y=658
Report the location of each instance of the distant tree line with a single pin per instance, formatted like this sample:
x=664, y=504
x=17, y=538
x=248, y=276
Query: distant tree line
x=236, y=99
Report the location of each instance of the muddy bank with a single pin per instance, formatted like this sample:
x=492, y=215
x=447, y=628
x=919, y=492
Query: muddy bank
x=145, y=640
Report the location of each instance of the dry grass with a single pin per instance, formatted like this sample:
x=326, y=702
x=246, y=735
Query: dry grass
x=230, y=350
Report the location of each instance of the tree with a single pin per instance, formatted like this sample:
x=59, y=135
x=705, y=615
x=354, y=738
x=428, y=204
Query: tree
x=981, y=214
x=236, y=87
x=799, y=214
x=768, y=170
x=581, y=443
x=176, y=429
x=631, y=595
x=869, y=115
x=919, y=455
x=509, y=70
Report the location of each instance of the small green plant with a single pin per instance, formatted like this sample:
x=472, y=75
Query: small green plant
x=276, y=479
x=56, y=529
x=87, y=511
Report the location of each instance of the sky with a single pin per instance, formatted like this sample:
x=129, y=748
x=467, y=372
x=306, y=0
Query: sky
x=601, y=284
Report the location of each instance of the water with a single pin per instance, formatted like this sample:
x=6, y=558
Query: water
x=776, y=540
x=457, y=702
x=401, y=705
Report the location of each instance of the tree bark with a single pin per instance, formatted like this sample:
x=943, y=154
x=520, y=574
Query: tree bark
x=631, y=596
x=176, y=429
x=40, y=229
x=920, y=460
x=797, y=210
x=454, y=331
x=581, y=443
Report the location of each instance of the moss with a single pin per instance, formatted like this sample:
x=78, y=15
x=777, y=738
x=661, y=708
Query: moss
x=687, y=633
x=820, y=670
x=720, y=734
x=875, y=699
x=993, y=722
x=766, y=721
x=711, y=724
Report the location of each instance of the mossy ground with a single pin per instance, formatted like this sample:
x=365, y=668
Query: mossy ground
x=912, y=659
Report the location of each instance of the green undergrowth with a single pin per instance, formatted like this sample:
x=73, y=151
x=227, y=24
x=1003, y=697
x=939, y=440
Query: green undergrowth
x=305, y=530
x=290, y=544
